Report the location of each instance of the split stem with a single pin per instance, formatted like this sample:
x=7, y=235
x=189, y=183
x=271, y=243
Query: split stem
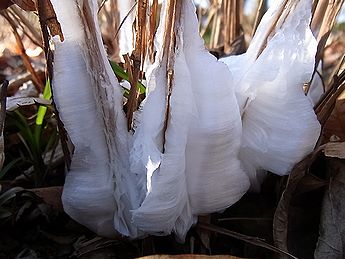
x=171, y=24
x=137, y=59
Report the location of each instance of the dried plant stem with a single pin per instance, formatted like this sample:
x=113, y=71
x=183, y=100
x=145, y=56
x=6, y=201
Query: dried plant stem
x=128, y=66
x=123, y=21
x=26, y=26
x=152, y=30
x=322, y=23
x=110, y=12
x=47, y=19
x=3, y=95
x=329, y=18
x=228, y=23
x=325, y=106
x=259, y=14
x=171, y=23
x=210, y=17
x=101, y=5
x=340, y=67
x=281, y=216
x=281, y=15
x=248, y=239
x=216, y=25
x=115, y=14
x=226, y=17
x=137, y=59
x=315, y=3
x=319, y=12
x=26, y=60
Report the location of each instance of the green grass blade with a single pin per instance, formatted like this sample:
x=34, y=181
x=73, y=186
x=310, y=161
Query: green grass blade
x=42, y=110
x=120, y=72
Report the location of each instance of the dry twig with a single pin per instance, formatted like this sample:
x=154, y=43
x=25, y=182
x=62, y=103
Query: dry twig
x=248, y=239
x=137, y=58
x=26, y=60
x=171, y=24
x=3, y=95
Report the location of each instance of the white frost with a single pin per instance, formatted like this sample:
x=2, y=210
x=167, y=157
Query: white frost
x=279, y=124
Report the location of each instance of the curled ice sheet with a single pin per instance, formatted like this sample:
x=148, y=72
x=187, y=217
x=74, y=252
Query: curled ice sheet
x=214, y=174
x=99, y=192
x=279, y=124
x=167, y=199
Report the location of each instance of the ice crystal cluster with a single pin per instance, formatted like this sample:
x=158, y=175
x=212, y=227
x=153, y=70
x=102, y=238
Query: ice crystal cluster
x=228, y=121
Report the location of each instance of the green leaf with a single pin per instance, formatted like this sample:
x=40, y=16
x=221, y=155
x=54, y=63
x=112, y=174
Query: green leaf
x=42, y=110
x=120, y=72
x=25, y=129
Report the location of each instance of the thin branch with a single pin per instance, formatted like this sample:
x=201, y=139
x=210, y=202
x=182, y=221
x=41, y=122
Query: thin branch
x=259, y=14
x=101, y=5
x=171, y=24
x=27, y=25
x=26, y=60
x=152, y=30
x=124, y=19
x=3, y=95
x=137, y=59
x=322, y=24
x=248, y=239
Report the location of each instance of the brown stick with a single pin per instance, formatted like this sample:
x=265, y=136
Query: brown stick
x=318, y=15
x=171, y=24
x=27, y=25
x=3, y=97
x=152, y=30
x=47, y=19
x=137, y=59
x=323, y=21
x=26, y=60
x=259, y=15
x=279, y=16
x=248, y=239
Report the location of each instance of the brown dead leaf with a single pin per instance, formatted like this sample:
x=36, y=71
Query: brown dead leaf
x=335, y=149
x=336, y=122
x=330, y=109
x=248, y=239
x=331, y=241
x=15, y=102
x=281, y=216
x=324, y=19
x=26, y=5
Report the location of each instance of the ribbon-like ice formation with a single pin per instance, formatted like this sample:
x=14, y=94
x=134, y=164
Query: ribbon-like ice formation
x=99, y=190
x=183, y=158
x=279, y=123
